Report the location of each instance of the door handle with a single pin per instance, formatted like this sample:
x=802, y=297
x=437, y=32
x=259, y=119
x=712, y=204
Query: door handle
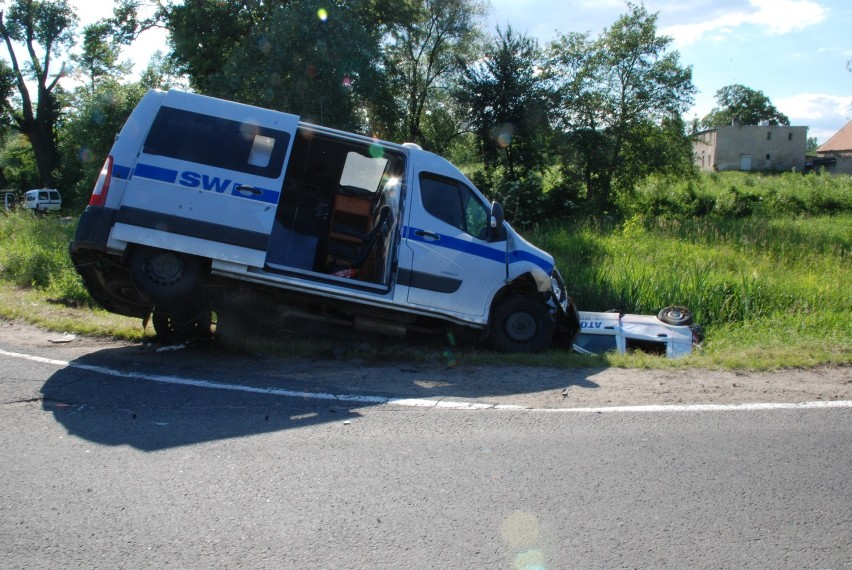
x=424, y=233
x=246, y=189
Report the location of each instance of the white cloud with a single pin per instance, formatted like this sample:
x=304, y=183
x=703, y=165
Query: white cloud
x=775, y=16
x=815, y=106
x=784, y=16
x=822, y=113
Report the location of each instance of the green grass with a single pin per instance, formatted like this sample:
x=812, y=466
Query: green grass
x=770, y=293
x=41, y=309
x=772, y=290
x=731, y=195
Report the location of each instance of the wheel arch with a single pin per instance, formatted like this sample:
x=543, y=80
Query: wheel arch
x=524, y=284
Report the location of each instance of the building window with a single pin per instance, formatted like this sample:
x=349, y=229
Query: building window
x=767, y=157
x=769, y=135
x=789, y=136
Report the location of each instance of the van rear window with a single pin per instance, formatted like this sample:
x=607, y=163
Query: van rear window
x=218, y=142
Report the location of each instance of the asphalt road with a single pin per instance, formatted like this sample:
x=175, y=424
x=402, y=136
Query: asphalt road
x=117, y=462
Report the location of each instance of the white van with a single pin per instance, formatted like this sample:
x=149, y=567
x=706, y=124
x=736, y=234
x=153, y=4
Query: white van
x=43, y=200
x=209, y=205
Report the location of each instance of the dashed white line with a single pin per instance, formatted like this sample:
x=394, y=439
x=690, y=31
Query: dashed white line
x=420, y=402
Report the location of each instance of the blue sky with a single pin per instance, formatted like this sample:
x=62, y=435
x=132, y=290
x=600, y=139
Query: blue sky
x=795, y=51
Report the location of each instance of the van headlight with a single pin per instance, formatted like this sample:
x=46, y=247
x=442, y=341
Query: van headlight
x=557, y=287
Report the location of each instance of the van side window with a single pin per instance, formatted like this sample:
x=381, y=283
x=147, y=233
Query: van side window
x=454, y=203
x=218, y=142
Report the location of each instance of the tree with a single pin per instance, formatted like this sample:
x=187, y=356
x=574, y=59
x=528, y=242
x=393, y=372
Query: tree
x=745, y=106
x=507, y=102
x=88, y=133
x=204, y=34
x=320, y=66
x=17, y=163
x=609, y=92
x=811, y=146
x=99, y=57
x=424, y=54
x=320, y=61
x=44, y=28
x=161, y=73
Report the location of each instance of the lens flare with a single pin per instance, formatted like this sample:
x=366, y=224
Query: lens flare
x=503, y=134
x=376, y=151
x=264, y=45
x=322, y=14
x=522, y=535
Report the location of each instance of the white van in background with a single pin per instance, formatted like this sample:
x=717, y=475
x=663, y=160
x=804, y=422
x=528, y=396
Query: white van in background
x=210, y=205
x=43, y=200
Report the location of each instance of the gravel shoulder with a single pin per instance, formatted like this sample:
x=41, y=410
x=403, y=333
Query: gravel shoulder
x=512, y=385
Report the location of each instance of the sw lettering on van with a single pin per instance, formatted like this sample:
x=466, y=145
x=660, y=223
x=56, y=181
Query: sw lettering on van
x=211, y=206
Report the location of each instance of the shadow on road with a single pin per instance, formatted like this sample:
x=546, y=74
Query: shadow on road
x=153, y=400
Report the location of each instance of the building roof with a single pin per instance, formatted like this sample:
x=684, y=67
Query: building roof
x=841, y=141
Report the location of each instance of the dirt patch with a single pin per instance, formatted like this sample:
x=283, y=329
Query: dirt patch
x=513, y=385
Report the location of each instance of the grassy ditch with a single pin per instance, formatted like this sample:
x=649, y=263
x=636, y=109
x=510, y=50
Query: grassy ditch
x=771, y=289
x=769, y=294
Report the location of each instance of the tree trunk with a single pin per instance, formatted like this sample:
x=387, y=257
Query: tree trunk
x=44, y=149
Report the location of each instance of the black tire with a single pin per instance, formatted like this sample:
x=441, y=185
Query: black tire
x=166, y=277
x=521, y=324
x=175, y=328
x=675, y=315
x=112, y=290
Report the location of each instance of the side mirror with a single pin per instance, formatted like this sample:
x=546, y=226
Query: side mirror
x=495, y=222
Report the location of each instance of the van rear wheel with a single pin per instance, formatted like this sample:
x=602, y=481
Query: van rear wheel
x=166, y=277
x=521, y=323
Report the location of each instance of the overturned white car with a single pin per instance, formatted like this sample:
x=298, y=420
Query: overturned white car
x=671, y=333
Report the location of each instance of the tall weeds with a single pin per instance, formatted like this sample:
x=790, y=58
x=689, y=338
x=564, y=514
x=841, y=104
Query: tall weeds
x=34, y=254
x=728, y=272
x=764, y=262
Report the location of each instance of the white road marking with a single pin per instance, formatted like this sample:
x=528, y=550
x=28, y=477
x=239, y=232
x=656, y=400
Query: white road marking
x=420, y=402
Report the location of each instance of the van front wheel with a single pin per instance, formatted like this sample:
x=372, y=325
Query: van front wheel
x=182, y=327
x=521, y=324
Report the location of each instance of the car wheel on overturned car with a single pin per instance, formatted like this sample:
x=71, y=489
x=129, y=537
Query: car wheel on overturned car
x=675, y=315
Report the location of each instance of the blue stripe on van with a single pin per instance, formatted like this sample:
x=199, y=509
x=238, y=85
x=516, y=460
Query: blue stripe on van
x=122, y=172
x=456, y=244
x=527, y=256
x=155, y=173
x=202, y=182
x=478, y=250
